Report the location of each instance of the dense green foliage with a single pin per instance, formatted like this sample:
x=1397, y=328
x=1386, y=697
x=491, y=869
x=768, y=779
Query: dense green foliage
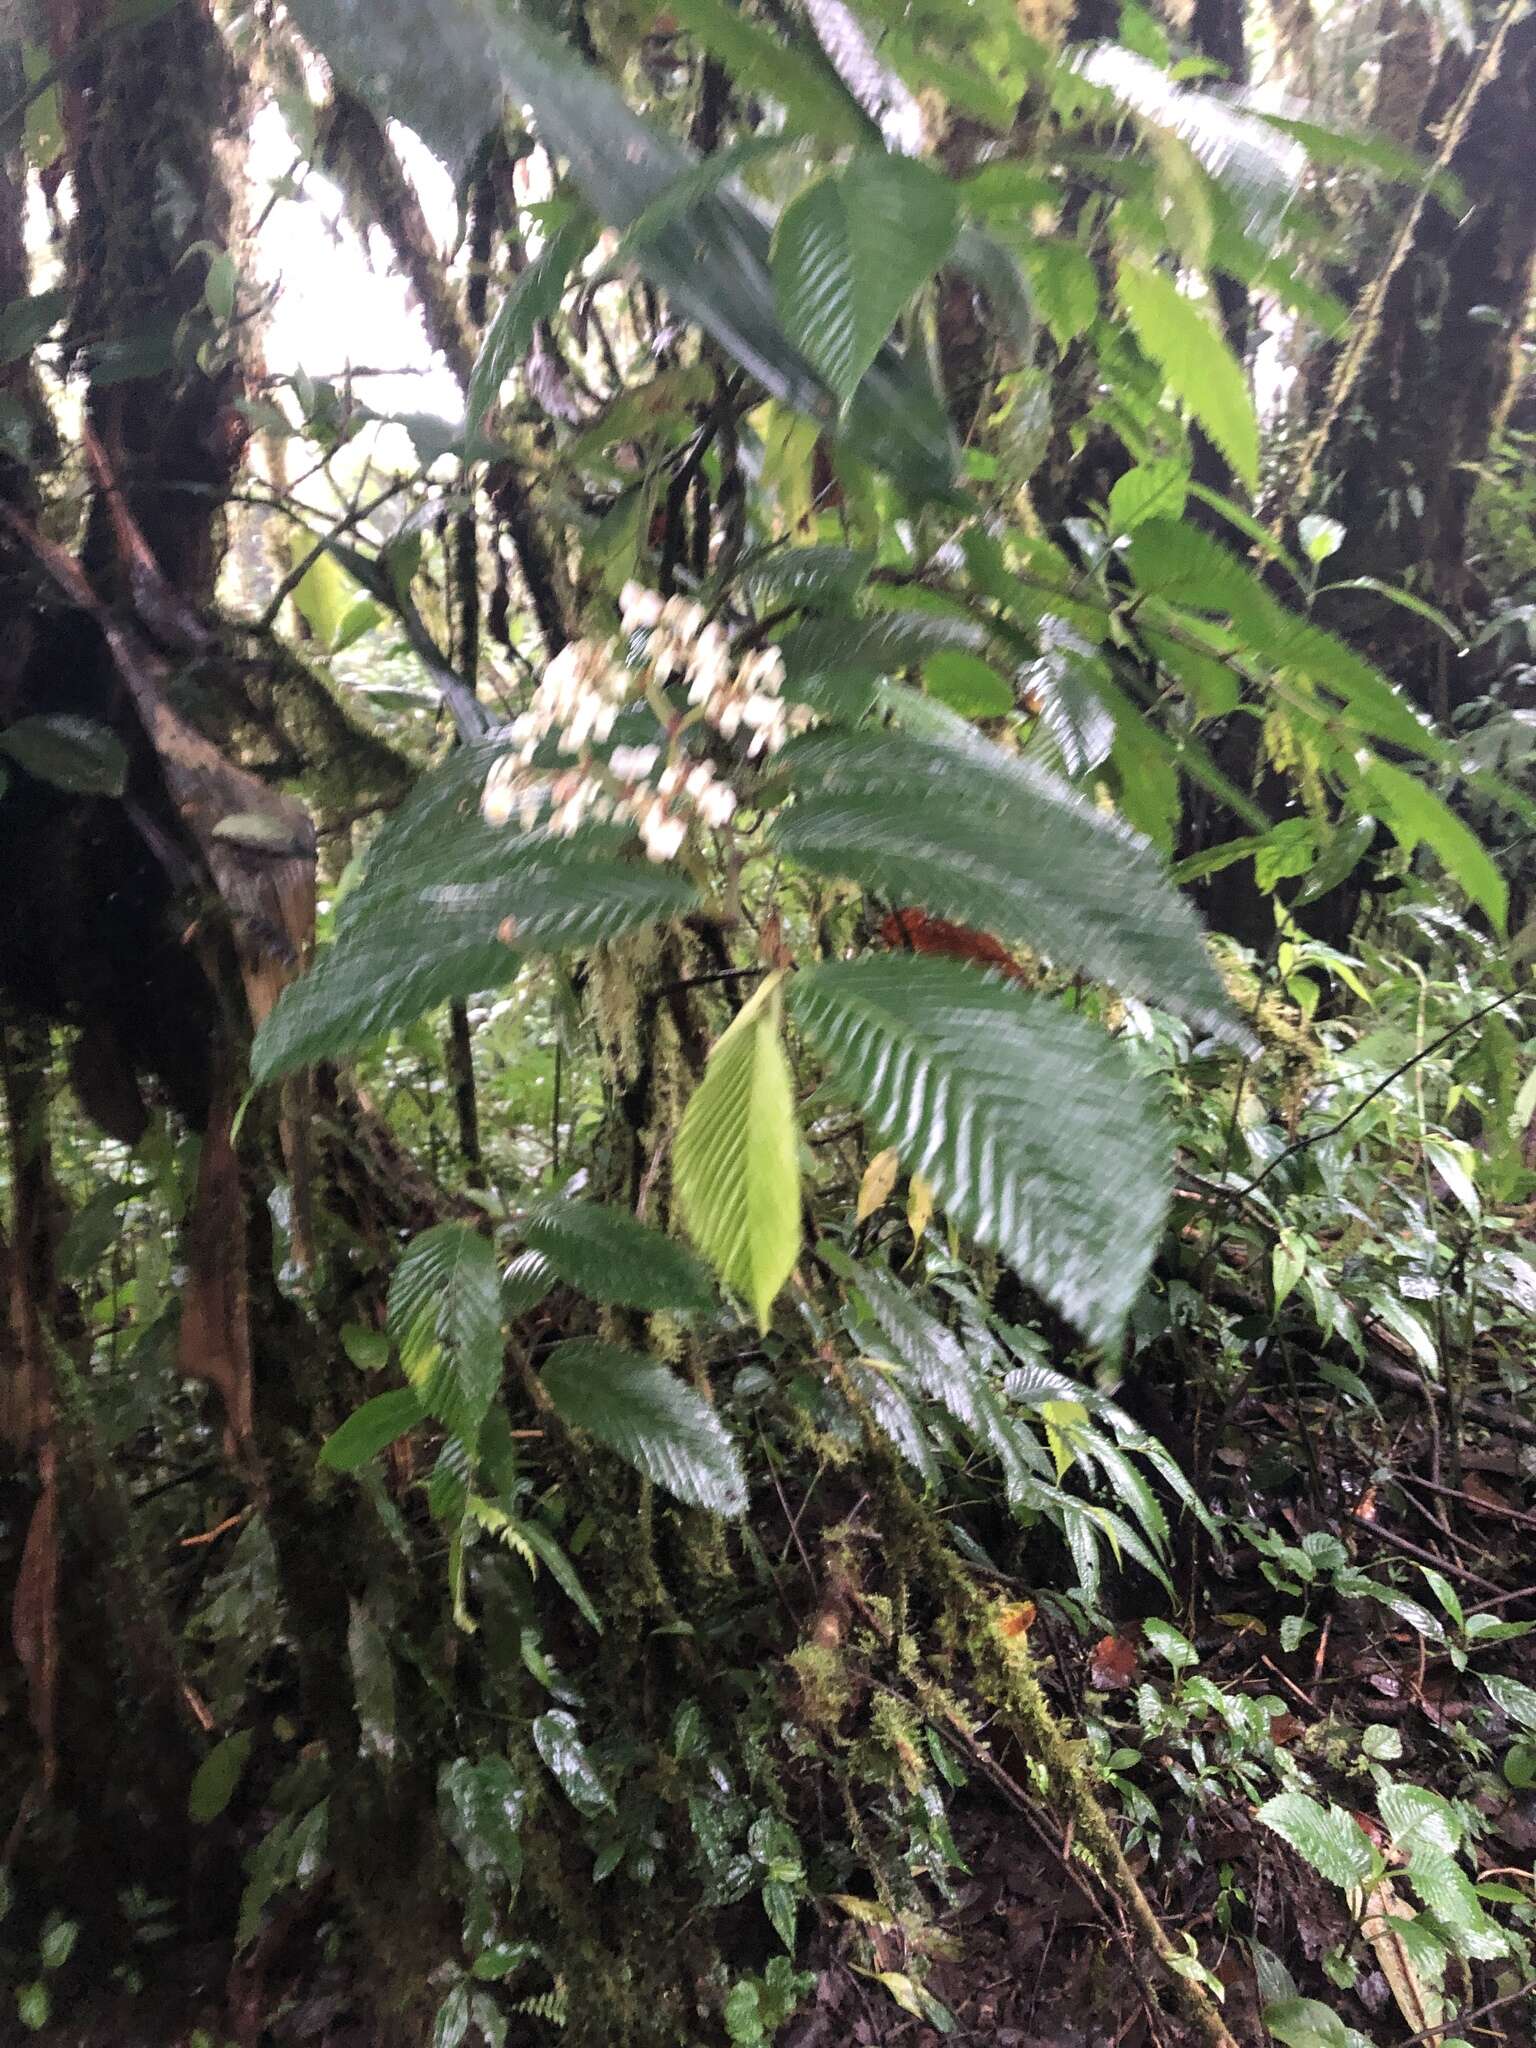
x=890, y=1195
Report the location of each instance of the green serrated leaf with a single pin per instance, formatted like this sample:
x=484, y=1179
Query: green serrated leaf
x=444, y=1318
x=1065, y=285
x=609, y=1255
x=938, y=1362
x=1415, y=1816
x=1028, y=1121
x=1416, y=814
x=650, y=1417
x=968, y=832
x=1446, y=1891
x=449, y=906
x=736, y=1159
x=528, y=1278
x=1066, y=680
x=1199, y=367
x=1327, y=1837
x=850, y=252
x=1152, y=490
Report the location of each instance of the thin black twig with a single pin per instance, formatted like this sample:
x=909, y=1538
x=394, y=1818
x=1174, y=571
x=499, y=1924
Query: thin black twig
x=1333, y=1129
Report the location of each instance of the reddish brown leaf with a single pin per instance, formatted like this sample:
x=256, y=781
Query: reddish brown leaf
x=1113, y=1665
x=916, y=932
x=1017, y=1619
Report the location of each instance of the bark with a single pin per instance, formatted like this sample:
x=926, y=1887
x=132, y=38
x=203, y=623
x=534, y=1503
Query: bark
x=1421, y=393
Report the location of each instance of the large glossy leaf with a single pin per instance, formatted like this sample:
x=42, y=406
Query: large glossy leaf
x=971, y=833
x=1199, y=367
x=850, y=253
x=481, y=1806
x=651, y=1418
x=449, y=905
x=1029, y=1121
x=558, y=1741
x=736, y=1161
x=445, y=1321
x=609, y=1255
x=446, y=71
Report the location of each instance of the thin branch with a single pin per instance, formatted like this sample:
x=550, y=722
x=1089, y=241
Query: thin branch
x=1332, y=1130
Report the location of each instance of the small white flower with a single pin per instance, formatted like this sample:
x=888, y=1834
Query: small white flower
x=717, y=804
x=662, y=833
x=685, y=618
x=639, y=607
x=763, y=669
x=500, y=797
x=759, y=711
x=633, y=764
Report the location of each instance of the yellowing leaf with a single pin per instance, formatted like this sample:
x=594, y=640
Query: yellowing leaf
x=1418, y=2002
x=737, y=1159
x=325, y=594
x=1061, y=1418
x=879, y=1179
x=920, y=1200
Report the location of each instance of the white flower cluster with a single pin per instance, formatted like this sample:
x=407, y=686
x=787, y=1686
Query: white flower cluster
x=580, y=695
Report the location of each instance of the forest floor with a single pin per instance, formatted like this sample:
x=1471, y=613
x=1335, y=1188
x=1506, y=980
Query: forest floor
x=1029, y=1956
x=1026, y=1952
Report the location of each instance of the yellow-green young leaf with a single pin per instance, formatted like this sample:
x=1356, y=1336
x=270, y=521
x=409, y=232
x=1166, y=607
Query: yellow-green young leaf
x=879, y=1179
x=325, y=593
x=737, y=1160
x=1061, y=1418
x=1200, y=369
x=1415, y=813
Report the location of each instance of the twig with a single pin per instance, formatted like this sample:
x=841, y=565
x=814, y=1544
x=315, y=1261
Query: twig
x=1463, y=2020
x=1431, y=1557
x=1485, y=1507
x=1333, y=1129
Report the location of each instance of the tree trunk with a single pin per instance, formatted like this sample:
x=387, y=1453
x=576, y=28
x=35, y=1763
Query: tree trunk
x=1421, y=393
